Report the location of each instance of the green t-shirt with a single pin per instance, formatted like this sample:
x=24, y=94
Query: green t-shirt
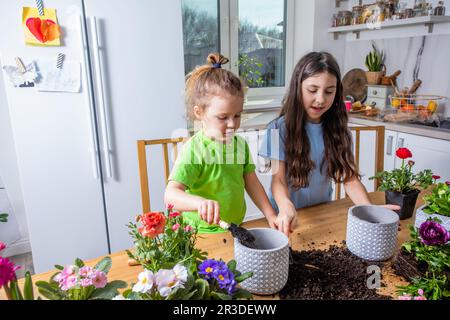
x=214, y=171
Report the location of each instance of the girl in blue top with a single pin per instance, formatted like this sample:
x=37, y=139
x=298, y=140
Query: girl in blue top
x=309, y=144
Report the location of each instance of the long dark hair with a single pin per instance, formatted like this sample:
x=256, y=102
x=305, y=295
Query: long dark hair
x=337, y=137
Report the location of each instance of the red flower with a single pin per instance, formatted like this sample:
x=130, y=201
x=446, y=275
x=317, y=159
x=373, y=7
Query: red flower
x=174, y=214
x=435, y=177
x=169, y=206
x=153, y=224
x=447, y=183
x=403, y=153
x=2, y=246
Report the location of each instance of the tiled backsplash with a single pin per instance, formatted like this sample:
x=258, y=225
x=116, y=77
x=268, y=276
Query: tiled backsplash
x=403, y=54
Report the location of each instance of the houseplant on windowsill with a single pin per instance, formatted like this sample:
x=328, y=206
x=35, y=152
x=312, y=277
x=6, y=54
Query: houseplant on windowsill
x=402, y=186
x=375, y=64
x=437, y=205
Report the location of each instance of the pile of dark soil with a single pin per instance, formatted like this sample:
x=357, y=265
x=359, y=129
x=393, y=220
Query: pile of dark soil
x=333, y=274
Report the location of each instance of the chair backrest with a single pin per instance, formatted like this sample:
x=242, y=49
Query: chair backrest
x=379, y=152
x=143, y=172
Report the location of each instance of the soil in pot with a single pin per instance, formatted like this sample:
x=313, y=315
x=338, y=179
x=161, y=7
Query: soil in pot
x=332, y=274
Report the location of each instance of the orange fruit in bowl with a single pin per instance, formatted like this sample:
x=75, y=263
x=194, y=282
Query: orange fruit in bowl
x=432, y=106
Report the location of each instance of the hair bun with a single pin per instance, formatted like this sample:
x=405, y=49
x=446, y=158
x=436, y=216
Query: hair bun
x=217, y=59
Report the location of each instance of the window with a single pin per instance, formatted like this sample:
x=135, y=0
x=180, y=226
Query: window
x=255, y=34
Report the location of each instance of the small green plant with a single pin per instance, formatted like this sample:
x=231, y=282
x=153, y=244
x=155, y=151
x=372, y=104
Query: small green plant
x=250, y=70
x=375, y=60
x=16, y=294
x=3, y=217
x=439, y=200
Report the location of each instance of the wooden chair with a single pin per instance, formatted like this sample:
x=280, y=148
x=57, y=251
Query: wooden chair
x=379, y=152
x=143, y=172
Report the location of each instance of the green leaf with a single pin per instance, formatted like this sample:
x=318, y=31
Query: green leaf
x=59, y=267
x=242, y=294
x=3, y=217
x=28, y=287
x=109, y=291
x=15, y=290
x=79, y=263
x=244, y=276
x=202, y=289
x=220, y=296
x=104, y=265
x=232, y=265
x=49, y=291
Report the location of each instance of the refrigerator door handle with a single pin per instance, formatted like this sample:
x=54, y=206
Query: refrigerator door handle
x=101, y=96
x=88, y=97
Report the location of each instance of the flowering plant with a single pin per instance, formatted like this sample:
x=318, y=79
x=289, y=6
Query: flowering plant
x=213, y=279
x=402, y=179
x=163, y=241
x=81, y=282
x=429, y=245
x=8, y=280
x=439, y=200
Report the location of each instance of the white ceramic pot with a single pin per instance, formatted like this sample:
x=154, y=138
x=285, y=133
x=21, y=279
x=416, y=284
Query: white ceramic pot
x=269, y=262
x=372, y=232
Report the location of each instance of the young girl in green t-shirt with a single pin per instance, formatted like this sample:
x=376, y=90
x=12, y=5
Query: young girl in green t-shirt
x=214, y=167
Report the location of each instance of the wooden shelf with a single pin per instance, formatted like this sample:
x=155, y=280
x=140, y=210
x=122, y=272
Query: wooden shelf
x=427, y=21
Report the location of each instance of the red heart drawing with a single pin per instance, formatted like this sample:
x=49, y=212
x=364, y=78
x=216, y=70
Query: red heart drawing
x=43, y=30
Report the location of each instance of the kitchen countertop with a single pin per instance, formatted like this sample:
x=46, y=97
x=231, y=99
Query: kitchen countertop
x=318, y=227
x=258, y=120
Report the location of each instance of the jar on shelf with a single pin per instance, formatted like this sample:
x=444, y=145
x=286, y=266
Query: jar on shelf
x=439, y=10
x=345, y=18
x=357, y=15
x=335, y=21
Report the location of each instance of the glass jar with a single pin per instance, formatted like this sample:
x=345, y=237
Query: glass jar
x=440, y=9
x=335, y=21
x=357, y=15
x=345, y=18
x=390, y=9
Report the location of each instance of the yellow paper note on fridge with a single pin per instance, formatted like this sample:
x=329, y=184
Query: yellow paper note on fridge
x=40, y=30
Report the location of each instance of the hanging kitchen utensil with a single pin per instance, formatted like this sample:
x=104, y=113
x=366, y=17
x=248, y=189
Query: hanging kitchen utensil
x=355, y=84
x=386, y=80
x=240, y=233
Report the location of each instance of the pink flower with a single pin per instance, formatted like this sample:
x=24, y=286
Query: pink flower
x=420, y=298
x=405, y=297
x=174, y=214
x=169, y=206
x=176, y=226
x=2, y=246
x=7, y=271
x=420, y=292
x=86, y=282
x=188, y=228
x=99, y=279
x=68, y=282
x=68, y=271
x=85, y=271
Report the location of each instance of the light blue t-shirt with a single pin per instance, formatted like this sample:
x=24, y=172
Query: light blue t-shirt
x=273, y=147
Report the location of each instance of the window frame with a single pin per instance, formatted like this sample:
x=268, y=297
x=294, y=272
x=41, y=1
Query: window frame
x=229, y=46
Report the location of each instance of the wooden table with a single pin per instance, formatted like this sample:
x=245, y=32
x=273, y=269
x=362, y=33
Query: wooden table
x=318, y=227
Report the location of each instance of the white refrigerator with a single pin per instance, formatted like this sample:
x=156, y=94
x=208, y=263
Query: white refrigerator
x=77, y=152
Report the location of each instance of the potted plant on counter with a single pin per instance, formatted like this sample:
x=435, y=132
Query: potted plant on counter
x=437, y=205
x=402, y=186
x=375, y=64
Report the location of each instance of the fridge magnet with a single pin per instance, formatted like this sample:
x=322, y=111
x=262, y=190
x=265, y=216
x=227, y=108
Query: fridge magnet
x=20, y=75
x=40, y=30
x=59, y=75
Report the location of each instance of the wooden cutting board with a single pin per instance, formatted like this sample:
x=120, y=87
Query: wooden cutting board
x=355, y=84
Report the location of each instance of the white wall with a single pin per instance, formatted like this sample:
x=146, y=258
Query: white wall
x=10, y=175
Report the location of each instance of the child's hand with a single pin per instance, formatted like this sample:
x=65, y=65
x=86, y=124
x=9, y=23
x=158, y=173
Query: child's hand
x=209, y=211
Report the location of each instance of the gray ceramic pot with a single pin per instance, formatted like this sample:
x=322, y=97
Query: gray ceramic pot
x=269, y=263
x=421, y=217
x=372, y=232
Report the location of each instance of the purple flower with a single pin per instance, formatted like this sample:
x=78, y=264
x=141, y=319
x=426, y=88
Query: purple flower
x=433, y=233
x=208, y=267
x=225, y=278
